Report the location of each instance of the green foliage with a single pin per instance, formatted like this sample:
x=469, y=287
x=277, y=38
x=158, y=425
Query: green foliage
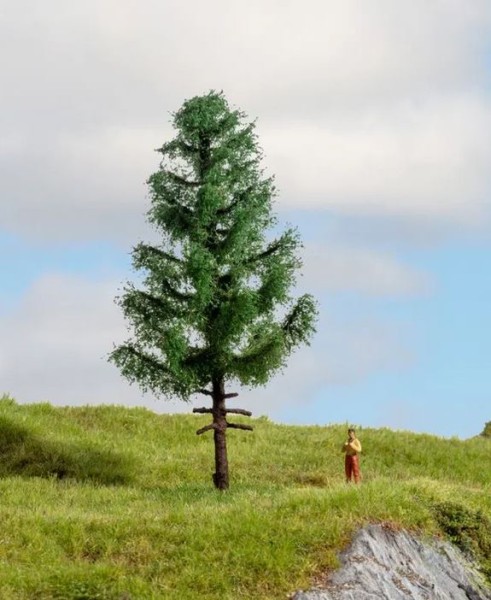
x=486, y=432
x=215, y=286
x=163, y=533
x=468, y=529
x=81, y=586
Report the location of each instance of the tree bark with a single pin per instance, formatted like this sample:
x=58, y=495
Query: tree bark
x=220, y=476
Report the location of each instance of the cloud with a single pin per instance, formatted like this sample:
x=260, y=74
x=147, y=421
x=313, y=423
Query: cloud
x=377, y=109
x=425, y=161
x=54, y=344
x=361, y=270
x=86, y=185
x=342, y=354
x=111, y=52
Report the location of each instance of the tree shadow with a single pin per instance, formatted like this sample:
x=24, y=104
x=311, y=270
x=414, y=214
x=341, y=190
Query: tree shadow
x=24, y=453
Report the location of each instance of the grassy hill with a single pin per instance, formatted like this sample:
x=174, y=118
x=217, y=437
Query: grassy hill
x=113, y=503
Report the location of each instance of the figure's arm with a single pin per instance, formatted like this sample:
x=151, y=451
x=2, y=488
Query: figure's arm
x=355, y=445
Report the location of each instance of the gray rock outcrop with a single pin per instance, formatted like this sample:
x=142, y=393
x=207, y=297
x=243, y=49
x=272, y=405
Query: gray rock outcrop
x=384, y=563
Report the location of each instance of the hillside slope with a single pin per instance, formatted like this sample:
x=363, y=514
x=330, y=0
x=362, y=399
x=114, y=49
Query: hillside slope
x=114, y=503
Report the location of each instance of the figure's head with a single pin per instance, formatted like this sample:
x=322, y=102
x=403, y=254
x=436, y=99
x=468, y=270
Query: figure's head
x=351, y=433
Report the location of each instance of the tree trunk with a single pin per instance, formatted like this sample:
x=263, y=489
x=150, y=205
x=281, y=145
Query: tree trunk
x=220, y=476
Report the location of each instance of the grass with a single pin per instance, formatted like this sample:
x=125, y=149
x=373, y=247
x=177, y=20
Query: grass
x=117, y=504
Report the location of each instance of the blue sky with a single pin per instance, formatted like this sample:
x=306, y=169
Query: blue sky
x=375, y=120
x=445, y=382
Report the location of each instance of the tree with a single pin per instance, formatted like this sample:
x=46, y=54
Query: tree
x=486, y=432
x=215, y=307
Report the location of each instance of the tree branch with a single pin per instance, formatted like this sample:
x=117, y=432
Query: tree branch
x=152, y=374
x=271, y=249
x=188, y=147
x=145, y=301
x=145, y=358
x=210, y=393
x=205, y=392
x=206, y=428
x=227, y=209
x=240, y=426
x=179, y=144
x=176, y=294
x=224, y=232
x=158, y=252
x=181, y=180
x=239, y=411
x=236, y=411
x=235, y=202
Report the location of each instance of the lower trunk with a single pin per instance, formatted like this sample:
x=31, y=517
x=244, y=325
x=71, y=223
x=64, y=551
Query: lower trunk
x=220, y=476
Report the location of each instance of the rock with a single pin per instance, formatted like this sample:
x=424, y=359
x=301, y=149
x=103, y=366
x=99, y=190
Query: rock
x=384, y=563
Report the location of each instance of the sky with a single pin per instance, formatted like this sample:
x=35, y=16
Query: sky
x=374, y=117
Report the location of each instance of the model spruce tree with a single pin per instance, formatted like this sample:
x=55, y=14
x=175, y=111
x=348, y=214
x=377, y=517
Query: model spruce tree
x=215, y=307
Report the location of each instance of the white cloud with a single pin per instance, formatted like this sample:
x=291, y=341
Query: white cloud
x=54, y=344
x=361, y=270
x=425, y=160
x=375, y=108
x=88, y=185
x=342, y=354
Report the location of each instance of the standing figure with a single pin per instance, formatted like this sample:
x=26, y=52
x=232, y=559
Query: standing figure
x=352, y=449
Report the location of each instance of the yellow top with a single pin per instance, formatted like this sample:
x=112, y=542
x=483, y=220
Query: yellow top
x=352, y=447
